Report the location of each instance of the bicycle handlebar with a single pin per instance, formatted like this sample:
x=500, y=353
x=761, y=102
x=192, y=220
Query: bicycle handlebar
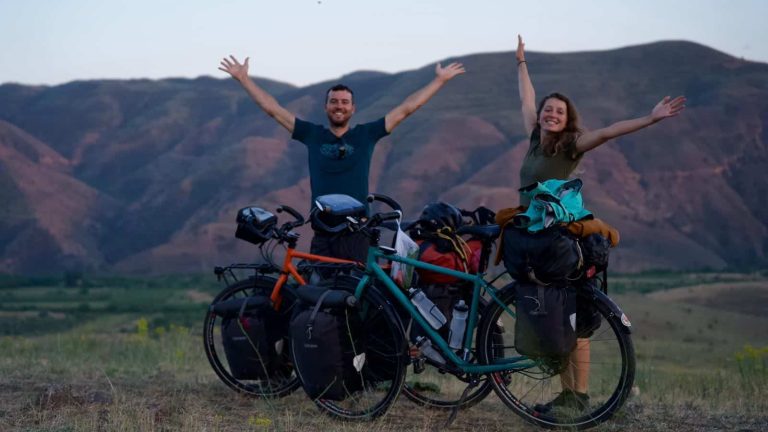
x=383, y=217
x=285, y=232
x=296, y=215
x=386, y=200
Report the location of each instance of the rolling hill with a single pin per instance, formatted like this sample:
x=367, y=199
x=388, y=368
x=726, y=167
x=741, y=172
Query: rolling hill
x=145, y=176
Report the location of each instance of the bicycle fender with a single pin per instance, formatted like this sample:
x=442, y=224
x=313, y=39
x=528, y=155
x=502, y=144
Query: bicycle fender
x=615, y=309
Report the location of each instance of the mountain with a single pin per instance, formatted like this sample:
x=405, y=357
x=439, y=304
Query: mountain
x=146, y=176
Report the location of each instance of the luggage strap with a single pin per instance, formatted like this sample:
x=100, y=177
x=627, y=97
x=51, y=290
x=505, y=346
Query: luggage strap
x=311, y=322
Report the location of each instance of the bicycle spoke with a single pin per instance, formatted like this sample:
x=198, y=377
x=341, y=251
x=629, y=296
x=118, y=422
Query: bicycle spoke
x=539, y=394
x=276, y=383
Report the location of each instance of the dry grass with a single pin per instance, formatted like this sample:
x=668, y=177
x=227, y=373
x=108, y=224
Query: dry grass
x=120, y=373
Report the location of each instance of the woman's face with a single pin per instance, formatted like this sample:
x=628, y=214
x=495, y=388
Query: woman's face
x=554, y=115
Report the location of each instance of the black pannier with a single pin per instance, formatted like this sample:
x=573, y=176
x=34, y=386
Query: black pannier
x=255, y=225
x=595, y=248
x=588, y=318
x=253, y=335
x=545, y=325
x=323, y=336
x=548, y=256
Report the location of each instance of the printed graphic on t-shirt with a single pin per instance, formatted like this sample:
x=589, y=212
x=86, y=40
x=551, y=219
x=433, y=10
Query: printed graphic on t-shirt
x=337, y=151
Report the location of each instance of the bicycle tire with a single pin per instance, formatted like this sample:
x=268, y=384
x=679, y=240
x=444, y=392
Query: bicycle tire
x=437, y=389
x=611, y=373
x=269, y=388
x=383, y=372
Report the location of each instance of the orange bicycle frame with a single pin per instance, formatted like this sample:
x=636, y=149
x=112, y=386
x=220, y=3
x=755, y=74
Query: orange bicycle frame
x=290, y=270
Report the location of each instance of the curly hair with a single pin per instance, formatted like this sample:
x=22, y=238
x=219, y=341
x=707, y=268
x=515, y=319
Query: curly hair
x=566, y=139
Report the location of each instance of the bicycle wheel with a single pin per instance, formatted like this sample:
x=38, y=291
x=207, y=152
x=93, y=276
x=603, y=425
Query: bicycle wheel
x=611, y=369
x=379, y=335
x=280, y=381
x=432, y=386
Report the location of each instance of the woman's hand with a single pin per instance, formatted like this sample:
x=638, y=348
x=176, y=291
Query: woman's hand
x=668, y=107
x=520, y=55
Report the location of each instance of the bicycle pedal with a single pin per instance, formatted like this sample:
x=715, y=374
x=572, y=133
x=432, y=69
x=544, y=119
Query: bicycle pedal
x=418, y=365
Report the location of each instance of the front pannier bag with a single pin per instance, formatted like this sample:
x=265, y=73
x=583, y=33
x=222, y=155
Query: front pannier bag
x=323, y=339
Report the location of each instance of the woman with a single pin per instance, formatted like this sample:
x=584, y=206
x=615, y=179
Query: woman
x=557, y=144
x=557, y=140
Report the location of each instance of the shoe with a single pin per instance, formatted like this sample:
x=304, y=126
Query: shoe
x=567, y=399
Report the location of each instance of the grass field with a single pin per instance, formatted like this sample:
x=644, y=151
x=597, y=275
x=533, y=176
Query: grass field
x=118, y=354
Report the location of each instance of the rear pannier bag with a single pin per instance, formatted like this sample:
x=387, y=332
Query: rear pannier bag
x=323, y=341
x=545, y=325
x=547, y=256
x=588, y=318
x=253, y=338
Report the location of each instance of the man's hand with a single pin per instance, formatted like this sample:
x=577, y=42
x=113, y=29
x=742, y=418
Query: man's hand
x=233, y=67
x=444, y=74
x=420, y=97
x=263, y=99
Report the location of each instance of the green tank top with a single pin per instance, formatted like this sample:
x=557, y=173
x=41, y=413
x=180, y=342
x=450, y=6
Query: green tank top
x=538, y=167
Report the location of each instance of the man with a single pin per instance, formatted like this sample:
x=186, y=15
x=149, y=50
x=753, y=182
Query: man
x=339, y=156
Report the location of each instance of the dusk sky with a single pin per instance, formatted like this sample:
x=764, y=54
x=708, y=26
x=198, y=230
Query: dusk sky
x=307, y=41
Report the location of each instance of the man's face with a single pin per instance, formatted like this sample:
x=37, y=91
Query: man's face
x=339, y=107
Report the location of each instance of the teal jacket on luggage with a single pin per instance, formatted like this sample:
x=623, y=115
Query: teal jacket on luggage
x=552, y=202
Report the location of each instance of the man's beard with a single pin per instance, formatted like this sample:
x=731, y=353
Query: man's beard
x=338, y=123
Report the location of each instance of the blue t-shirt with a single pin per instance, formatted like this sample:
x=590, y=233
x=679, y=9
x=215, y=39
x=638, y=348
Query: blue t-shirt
x=339, y=165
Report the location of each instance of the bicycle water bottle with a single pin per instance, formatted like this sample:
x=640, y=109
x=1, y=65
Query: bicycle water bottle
x=426, y=348
x=458, y=325
x=427, y=309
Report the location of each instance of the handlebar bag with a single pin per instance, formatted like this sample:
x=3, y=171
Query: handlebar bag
x=254, y=224
x=329, y=214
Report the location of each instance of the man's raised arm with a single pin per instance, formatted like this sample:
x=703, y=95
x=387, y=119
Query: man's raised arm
x=420, y=97
x=263, y=99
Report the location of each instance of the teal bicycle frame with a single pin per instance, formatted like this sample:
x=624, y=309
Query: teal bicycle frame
x=374, y=270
